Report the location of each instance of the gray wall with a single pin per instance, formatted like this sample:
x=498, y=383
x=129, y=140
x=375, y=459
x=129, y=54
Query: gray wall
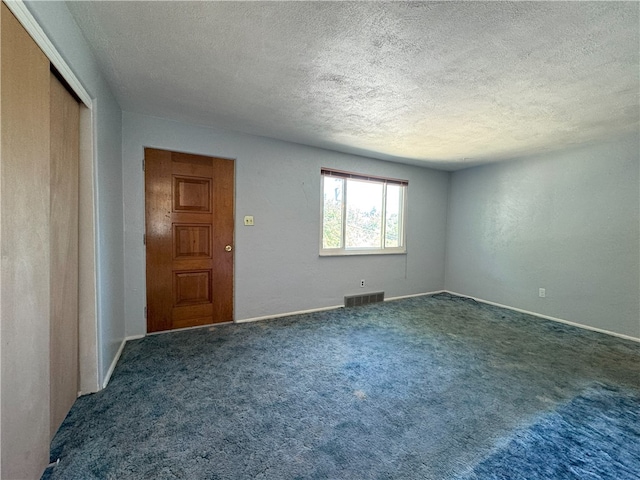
x=567, y=222
x=56, y=21
x=278, y=269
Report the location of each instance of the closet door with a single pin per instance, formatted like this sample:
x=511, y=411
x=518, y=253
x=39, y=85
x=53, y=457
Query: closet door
x=24, y=242
x=65, y=123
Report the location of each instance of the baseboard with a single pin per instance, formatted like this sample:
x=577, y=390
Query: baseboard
x=547, y=317
x=280, y=315
x=322, y=309
x=425, y=294
x=197, y=327
x=116, y=358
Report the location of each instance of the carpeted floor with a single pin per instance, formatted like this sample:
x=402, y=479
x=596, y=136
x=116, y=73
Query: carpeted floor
x=595, y=436
x=423, y=388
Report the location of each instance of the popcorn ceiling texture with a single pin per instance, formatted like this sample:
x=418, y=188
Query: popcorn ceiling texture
x=428, y=83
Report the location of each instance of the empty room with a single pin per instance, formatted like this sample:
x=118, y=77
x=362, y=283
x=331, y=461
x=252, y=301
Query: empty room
x=323, y=240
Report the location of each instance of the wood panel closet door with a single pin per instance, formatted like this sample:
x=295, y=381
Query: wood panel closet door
x=65, y=145
x=189, y=239
x=24, y=238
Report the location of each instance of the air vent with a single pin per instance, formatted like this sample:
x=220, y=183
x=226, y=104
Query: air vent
x=366, y=299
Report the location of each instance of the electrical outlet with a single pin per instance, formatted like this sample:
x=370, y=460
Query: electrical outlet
x=542, y=292
x=362, y=283
x=248, y=220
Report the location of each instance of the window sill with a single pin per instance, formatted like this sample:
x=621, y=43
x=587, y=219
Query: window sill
x=349, y=253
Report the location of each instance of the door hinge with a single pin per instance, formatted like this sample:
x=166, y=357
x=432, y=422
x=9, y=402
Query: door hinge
x=143, y=164
x=144, y=238
x=145, y=312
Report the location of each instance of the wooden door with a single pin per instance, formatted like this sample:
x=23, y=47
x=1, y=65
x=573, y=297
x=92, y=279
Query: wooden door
x=189, y=239
x=65, y=152
x=24, y=242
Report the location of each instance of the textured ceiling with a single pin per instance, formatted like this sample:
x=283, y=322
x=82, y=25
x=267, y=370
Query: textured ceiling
x=446, y=85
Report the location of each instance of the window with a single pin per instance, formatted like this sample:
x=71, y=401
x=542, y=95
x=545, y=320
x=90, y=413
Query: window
x=362, y=214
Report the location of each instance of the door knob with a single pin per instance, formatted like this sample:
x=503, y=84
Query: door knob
x=228, y=248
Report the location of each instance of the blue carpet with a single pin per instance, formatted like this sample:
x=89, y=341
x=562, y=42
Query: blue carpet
x=423, y=388
x=595, y=436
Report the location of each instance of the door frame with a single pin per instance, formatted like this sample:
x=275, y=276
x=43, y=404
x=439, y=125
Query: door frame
x=88, y=295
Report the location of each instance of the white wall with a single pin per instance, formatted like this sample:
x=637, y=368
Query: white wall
x=57, y=23
x=277, y=267
x=567, y=222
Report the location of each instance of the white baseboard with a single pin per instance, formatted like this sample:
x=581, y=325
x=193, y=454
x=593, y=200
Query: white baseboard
x=116, y=358
x=322, y=309
x=425, y=294
x=280, y=315
x=547, y=317
x=197, y=327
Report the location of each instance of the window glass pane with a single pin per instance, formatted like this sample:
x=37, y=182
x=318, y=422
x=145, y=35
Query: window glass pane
x=393, y=231
x=364, y=214
x=332, y=213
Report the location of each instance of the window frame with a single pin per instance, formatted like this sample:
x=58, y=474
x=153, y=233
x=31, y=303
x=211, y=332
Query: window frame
x=385, y=181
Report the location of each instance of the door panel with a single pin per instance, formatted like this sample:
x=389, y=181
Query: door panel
x=191, y=194
x=189, y=223
x=65, y=151
x=24, y=241
x=191, y=241
x=192, y=287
